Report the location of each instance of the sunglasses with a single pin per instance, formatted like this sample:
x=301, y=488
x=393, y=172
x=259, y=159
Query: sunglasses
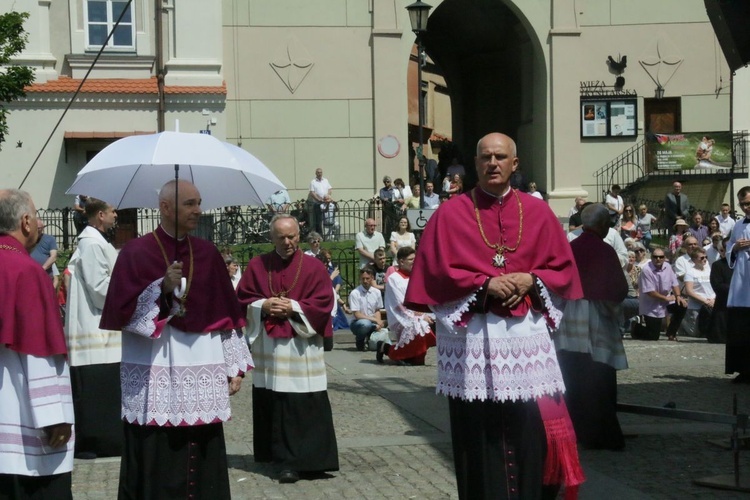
x=640, y=251
x=657, y=256
x=702, y=258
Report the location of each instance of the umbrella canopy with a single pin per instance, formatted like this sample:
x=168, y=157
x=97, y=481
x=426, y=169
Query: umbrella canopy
x=129, y=172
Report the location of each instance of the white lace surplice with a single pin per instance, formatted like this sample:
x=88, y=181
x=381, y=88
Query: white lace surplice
x=170, y=377
x=496, y=358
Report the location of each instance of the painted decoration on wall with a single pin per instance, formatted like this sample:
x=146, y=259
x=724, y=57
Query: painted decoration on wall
x=389, y=147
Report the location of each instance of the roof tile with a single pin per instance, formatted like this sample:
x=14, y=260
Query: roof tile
x=65, y=84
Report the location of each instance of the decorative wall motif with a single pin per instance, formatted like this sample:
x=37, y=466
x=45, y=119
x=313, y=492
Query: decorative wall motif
x=663, y=63
x=292, y=63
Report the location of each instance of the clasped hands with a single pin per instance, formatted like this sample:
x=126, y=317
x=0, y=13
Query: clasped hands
x=510, y=288
x=278, y=307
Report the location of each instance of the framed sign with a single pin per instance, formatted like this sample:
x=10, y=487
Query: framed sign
x=609, y=117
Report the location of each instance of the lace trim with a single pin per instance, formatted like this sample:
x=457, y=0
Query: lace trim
x=236, y=354
x=180, y=395
x=144, y=320
x=406, y=333
x=452, y=313
x=498, y=369
x=553, y=305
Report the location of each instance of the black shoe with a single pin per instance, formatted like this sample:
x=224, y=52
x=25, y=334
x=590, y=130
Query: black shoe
x=379, y=352
x=85, y=455
x=288, y=477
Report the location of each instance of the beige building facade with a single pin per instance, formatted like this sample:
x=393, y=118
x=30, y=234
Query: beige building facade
x=305, y=84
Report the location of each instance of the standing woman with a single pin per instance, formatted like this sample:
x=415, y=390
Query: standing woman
x=628, y=223
x=644, y=221
x=456, y=186
x=675, y=241
x=403, y=237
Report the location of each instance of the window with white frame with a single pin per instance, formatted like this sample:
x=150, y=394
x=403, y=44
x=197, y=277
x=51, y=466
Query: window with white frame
x=101, y=16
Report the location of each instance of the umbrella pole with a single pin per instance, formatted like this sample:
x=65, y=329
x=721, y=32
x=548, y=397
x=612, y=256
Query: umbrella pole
x=176, y=208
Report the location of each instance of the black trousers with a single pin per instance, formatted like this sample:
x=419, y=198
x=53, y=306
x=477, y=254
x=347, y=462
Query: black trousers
x=17, y=487
x=498, y=450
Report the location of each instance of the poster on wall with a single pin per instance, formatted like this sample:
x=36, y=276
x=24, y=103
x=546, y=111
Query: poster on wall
x=609, y=117
x=707, y=151
x=622, y=121
x=594, y=118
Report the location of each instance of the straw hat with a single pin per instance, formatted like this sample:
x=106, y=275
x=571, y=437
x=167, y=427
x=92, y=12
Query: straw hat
x=680, y=222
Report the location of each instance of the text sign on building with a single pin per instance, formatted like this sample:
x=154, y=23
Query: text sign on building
x=707, y=151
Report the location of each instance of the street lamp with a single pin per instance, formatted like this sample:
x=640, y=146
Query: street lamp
x=418, y=12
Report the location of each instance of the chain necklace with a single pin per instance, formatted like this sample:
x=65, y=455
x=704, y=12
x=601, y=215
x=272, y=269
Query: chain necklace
x=285, y=293
x=499, y=259
x=183, y=299
x=8, y=247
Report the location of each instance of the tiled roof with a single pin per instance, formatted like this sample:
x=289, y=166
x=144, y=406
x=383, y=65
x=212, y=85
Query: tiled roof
x=65, y=84
x=104, y=135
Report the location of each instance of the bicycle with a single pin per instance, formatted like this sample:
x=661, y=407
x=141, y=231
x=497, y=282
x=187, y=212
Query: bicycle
x=235, y=228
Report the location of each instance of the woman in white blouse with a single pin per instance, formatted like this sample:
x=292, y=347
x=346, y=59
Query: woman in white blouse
x=699, y=291
x=403, y=237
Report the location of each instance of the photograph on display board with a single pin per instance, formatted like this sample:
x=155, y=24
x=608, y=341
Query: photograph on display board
x=594, y=119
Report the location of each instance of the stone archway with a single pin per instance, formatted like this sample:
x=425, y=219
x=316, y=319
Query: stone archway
x=496, y=77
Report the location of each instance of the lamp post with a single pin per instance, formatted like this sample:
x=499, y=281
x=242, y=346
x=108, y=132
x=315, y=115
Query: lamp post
x=418, y=12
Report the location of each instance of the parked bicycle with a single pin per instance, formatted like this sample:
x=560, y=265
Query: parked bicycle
x=235, y=227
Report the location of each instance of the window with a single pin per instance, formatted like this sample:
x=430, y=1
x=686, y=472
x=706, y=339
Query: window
x=101, y=16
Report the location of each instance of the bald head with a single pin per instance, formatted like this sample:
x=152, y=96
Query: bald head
x=179, y=208
x=495, y=162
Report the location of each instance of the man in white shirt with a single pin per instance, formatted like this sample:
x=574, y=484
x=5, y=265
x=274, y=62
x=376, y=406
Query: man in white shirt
x=614, y=204
x=366, y=302
x=684, y=262
x=320, y=194
x=726, y=221
x=367, y=241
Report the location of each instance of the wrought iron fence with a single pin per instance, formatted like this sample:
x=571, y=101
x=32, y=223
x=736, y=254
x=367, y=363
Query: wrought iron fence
x=245, y=230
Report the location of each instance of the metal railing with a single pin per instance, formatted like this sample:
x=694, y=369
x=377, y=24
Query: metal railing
x=245, y=230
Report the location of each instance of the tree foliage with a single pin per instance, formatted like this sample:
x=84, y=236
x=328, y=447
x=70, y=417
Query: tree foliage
x=13, y=78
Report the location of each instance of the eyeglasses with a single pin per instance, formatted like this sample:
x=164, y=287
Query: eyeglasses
x=315, y=241
x=657, y=256
x=640, y=251
x=702, y=258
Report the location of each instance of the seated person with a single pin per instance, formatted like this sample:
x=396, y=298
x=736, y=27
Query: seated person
x=659, y=295
x=365, y=301
x=379, y=267
x=414, y=330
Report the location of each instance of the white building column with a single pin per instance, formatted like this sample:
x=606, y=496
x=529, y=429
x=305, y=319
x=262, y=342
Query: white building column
x=194, y=39
x=565, y=170
x=389, y=62
x=38, y=52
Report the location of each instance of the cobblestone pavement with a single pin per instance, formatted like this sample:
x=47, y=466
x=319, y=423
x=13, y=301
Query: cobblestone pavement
x=394, y=437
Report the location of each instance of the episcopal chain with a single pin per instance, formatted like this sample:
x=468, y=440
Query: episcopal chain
x=285, y=293
x=499, y=259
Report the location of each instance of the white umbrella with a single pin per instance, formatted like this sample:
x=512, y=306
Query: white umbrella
x=129, y=172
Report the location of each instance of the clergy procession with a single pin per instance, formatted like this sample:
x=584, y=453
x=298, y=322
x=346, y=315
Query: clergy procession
x=160, y=338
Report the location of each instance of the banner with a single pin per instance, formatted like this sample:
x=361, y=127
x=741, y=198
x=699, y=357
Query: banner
x=709, y=151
